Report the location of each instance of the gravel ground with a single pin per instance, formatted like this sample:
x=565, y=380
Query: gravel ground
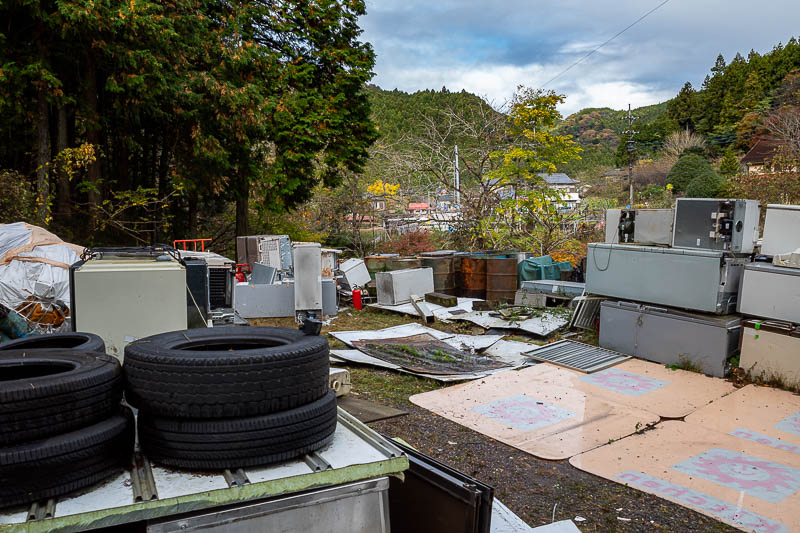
x=535, y=489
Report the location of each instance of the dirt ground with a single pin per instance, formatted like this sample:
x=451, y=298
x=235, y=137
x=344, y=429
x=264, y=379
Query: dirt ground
x=537, y=490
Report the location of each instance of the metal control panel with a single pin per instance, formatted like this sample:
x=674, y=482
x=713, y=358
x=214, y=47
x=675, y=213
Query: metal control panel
x=725, y=225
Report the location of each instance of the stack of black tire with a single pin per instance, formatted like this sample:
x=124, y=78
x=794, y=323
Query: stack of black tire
x=230, y=397
x=62, y=427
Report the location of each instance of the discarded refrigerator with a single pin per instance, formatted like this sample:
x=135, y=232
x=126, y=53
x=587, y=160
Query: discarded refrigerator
x=697, y=280
x=668, y=336
x=771, y=350
x=397, y=287
x=770, y=291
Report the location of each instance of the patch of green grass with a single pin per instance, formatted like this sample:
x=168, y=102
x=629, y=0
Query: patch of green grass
x=685, y=364
x=388, y=388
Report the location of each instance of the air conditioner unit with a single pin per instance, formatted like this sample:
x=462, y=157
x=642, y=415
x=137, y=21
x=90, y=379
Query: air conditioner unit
x=713, y=224
x=698, y=280
x=640, y=226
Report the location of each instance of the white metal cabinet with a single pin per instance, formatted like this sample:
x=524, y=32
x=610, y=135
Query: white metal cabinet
x=771, y=292
x=781, y=229
x=771, y=350
x=122, y=299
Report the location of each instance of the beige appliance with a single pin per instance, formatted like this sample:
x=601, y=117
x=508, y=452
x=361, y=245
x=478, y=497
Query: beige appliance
x=125, y=294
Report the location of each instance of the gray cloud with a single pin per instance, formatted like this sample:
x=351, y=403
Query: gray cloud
x=490, y=48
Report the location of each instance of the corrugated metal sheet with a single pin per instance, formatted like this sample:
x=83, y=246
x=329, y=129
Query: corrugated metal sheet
x=577, y=356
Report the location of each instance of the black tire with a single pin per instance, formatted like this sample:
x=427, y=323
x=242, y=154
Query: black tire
x=87, y=342
x=44, y=393
x=56, y=466
x=225, y=372
x=239, y=442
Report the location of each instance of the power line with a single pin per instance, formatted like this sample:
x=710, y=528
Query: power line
x=631, y=25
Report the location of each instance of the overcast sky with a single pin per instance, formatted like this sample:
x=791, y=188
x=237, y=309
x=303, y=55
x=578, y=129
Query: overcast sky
x=490, y=47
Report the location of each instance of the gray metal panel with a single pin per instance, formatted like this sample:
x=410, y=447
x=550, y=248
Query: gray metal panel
x=330, y=301
x=577, y=356
x=277, y=300
x=653, y=226
x=357, y=507
x=612, y=225
x=560, y=288
x=689, y=279
x=668, y=336
x=770, y=291
x=307, y=277
x=781, y=229
x=264, y=301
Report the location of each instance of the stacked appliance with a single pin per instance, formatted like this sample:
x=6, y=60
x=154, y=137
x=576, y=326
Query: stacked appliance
x=287, y=279
x=677, y=299
x=770, y=299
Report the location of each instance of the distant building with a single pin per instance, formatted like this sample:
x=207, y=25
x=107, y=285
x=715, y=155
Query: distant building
x=760, y=155
x=418, y=208
x=568, y=187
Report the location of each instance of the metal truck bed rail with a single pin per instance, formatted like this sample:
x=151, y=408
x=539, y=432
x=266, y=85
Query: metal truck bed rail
x=356, y=453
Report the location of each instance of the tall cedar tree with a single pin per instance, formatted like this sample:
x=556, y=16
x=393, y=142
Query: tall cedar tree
x=218, y=100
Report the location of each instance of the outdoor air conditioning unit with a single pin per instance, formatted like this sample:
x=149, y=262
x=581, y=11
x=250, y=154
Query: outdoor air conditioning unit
x=640, y=226
x=124, y=294
x=713, y=224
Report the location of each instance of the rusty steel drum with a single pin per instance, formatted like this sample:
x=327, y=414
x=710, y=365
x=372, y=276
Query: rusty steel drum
x=473, y=277
x=444, y=276
x=501, y=279
x=376, y=263
x=400, y=263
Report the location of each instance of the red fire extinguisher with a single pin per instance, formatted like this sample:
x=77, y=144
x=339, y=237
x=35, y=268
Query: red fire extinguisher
x=357, y=299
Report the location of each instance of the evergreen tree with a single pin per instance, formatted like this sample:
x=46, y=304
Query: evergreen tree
x=729, y=165
x=687, y=169
x=684, y=108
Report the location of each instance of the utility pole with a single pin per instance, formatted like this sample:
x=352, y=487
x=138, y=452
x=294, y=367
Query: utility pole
x=458, y=182
x=630, y=144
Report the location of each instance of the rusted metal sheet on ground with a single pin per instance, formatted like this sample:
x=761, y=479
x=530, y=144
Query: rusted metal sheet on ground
x=426, y=354
x=501, y=279
x=473, y=272
x=444, y=276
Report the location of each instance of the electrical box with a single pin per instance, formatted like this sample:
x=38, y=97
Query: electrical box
x=699, y=280
x=397, y=286
x=639, y=226
x=275, y=251
x=307, y=277
x=125, y=294
x=781, y=230
x=714, y=224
